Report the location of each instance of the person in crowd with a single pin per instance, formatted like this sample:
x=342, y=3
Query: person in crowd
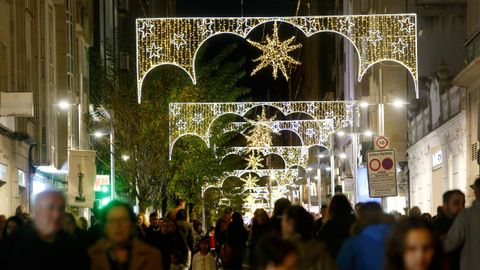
x=427, y=217
x=198, y=235
x=203, y=259
x=274, y=253
x=154, y=229
x=172, y=245
x=120, y=248
x=186, y=231
x=222, y=226
x=465, y=233
x=12, y=225
x=365, y=250
x=281, y=205
x=322, y=219
x=413, y=245
x=95, y=232
x=337, y=229
x=357, y=208
x=21, y=213
x=179, y=204
x=297, y=227
x=453, y=203
x=70, y=227
x=3, y=221
x=260, y=227
x=415, y=212
x=236, y=236
x=43, y=244
x=142, y=225
x=211, y=235
x=82, y=224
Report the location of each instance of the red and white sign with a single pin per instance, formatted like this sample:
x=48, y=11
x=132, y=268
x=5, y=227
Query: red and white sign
x=382, y=173
x=381, y=142
x=101, y=180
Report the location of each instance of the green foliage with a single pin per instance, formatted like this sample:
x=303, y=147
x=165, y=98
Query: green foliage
x=141, y=130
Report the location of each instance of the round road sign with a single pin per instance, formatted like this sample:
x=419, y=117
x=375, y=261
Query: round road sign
x=387, y=164
x=381, y=142
x=374, y=165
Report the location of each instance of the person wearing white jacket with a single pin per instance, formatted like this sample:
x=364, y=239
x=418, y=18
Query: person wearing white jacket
x=204, y=260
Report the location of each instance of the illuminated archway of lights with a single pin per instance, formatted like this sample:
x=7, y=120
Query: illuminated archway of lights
x=376, y=38
x=327, y=117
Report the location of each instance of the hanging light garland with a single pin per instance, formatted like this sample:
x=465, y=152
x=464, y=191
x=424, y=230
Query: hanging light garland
x=176, y=41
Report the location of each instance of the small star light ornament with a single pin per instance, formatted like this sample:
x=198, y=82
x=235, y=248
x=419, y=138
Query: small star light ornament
x=254, y=161
x=250, y=181
x=275, y=53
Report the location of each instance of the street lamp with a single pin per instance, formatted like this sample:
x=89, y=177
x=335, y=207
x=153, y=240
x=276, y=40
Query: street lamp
x=342, y=155
x=64, y=105
x=341, y=133
x=364, y=104
x=99, y=134
x=125, y=157
x=368, y=133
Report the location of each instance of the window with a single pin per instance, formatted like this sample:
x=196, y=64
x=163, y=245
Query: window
x=22, y=178
x=3, y=172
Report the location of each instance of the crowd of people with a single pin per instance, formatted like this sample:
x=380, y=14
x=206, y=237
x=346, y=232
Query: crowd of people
x=344, y=237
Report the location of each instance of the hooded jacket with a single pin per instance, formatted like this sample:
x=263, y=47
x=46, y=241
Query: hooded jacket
x=366, y=250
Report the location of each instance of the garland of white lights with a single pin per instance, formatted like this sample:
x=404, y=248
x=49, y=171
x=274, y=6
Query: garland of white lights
x=176, y=41
x=196, y=119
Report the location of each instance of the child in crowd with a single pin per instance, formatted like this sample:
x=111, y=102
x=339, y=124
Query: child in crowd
x=204, y=260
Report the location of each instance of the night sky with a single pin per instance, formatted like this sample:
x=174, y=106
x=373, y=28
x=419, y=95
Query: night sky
x=263, y=86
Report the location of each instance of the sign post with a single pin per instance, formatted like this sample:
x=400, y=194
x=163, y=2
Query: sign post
x=382, y=173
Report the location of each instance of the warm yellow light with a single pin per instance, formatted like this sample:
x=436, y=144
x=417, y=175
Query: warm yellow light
x=376, y=38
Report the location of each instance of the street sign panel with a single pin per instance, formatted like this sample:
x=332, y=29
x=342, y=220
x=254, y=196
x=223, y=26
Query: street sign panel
x=382, y=173
x=381, y=143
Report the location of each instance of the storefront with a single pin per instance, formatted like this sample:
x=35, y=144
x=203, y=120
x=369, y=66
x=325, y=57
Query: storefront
x=437, y=163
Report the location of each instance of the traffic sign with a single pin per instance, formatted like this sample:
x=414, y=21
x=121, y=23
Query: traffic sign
x=382, y=173
x=381, y=142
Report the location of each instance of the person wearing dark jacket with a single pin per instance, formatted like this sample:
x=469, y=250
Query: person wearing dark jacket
x=43, y=245
x=453, y=204
x=235, y=241
x=337, y=229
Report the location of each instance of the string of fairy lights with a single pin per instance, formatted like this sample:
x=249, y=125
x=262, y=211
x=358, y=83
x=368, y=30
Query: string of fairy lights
x=196, y=119
x=176, y=41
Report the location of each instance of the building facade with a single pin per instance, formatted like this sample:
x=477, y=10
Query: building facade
x=44, y=51
x=469, y=78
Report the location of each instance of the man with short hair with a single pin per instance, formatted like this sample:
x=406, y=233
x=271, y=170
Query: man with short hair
x=153, y=232
x=179, y=204
x=453, y=204
x=43, y=244
x=466, y=231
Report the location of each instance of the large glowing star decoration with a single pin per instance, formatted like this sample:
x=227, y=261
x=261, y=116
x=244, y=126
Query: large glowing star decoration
x=376, y=38
x=275, y=53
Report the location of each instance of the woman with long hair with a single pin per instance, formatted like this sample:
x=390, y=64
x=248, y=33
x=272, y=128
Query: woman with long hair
x=337, y=229
x=236, y=237
x=413, y=245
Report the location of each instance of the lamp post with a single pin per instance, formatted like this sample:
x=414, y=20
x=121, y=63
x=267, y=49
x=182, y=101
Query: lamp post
x=99, y=134
x=309, y=200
